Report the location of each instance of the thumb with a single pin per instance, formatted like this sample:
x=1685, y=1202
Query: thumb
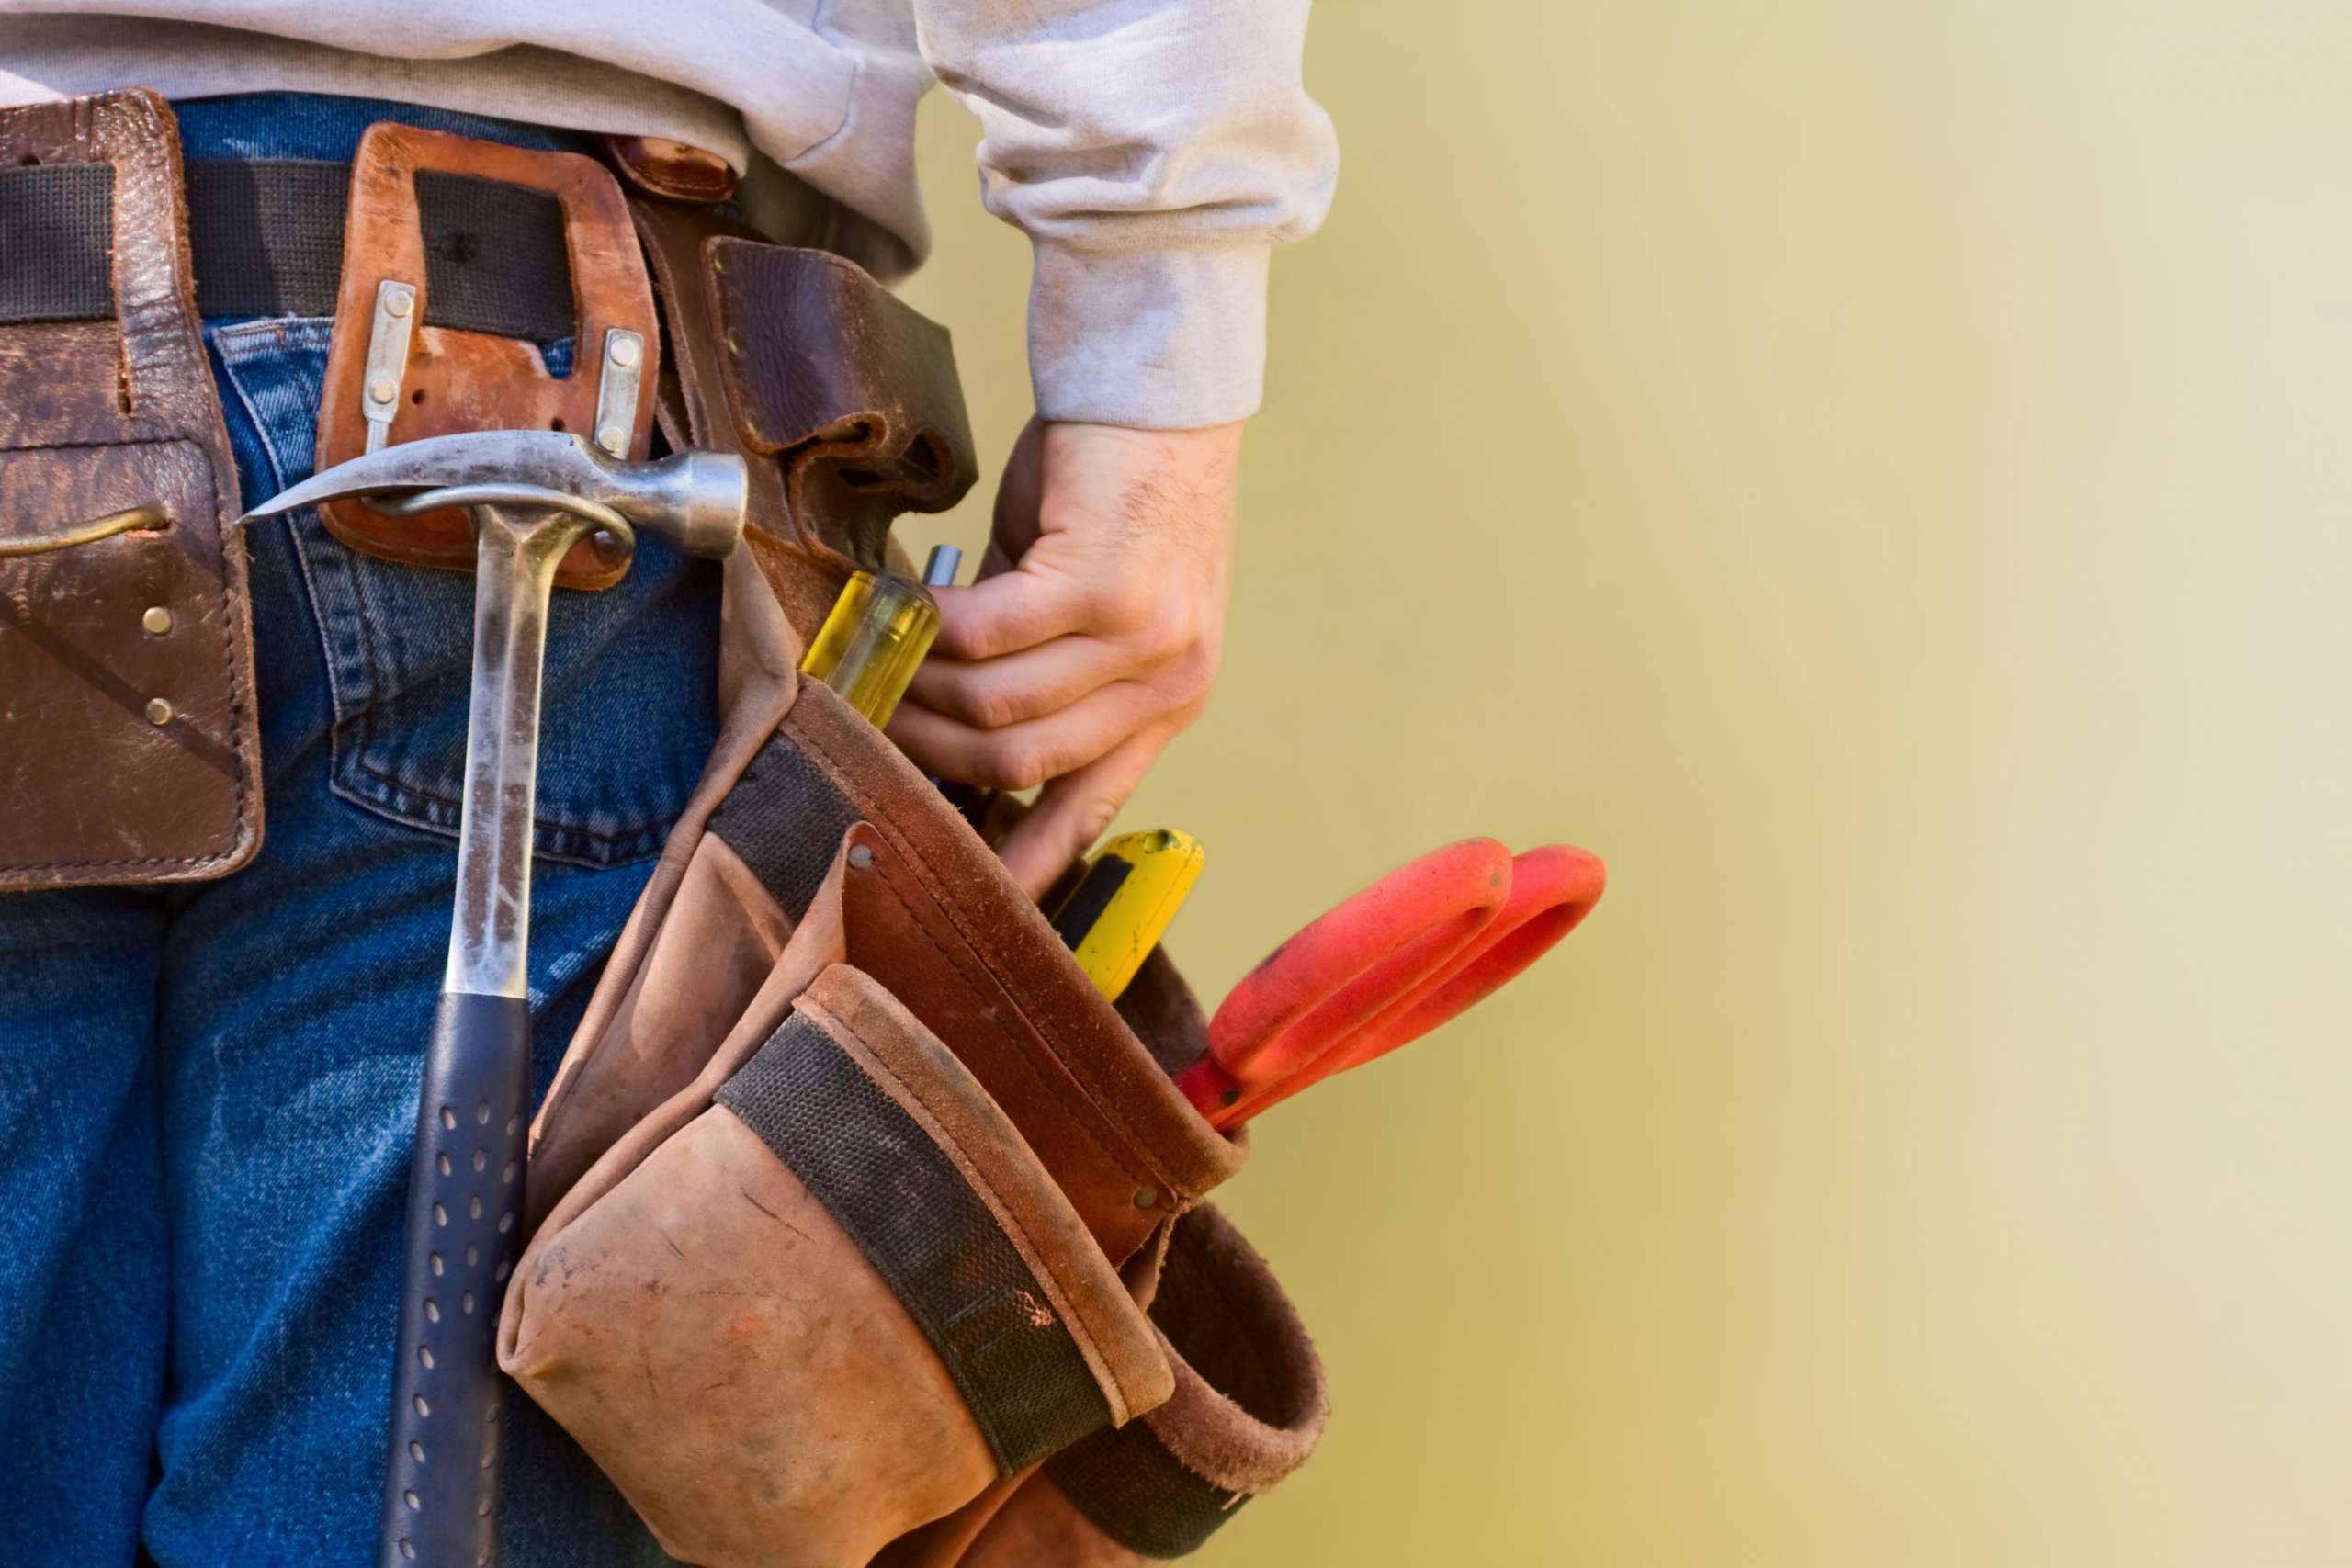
x=1019, y=497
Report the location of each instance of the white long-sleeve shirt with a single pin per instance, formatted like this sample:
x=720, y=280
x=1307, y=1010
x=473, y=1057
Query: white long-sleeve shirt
x=1155, y=151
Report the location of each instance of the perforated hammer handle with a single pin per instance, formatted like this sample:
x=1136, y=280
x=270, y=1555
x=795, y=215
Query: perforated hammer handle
x=465, y=1217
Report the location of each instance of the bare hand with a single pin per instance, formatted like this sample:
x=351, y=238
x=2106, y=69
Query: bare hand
x=1093, y=635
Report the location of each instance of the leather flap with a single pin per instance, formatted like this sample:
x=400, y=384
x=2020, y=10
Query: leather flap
x=852, y=389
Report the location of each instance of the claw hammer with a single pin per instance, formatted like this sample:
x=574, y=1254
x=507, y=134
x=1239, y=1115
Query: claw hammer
x=532, y=495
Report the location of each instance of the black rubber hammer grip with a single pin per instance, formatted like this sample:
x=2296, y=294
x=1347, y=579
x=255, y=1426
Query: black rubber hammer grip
x=464, y=1228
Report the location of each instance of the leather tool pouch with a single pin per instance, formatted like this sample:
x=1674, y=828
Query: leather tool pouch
x=823, y=900
x=841, y=398
x=128, y=749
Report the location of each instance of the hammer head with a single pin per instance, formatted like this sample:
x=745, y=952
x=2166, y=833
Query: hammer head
x=696, y=501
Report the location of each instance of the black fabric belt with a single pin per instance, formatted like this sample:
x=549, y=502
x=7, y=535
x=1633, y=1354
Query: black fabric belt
x=267, y=238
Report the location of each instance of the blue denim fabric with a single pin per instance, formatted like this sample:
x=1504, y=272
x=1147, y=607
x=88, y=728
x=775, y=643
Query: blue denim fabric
x=206, y=1094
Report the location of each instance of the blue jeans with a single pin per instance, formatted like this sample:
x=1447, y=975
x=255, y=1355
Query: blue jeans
x=207, y=1092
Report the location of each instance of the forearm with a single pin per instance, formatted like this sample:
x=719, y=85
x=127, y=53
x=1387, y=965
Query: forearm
x=1155, y=151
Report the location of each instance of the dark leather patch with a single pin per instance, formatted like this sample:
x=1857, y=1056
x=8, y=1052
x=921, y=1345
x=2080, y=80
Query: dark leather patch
x=849, y=389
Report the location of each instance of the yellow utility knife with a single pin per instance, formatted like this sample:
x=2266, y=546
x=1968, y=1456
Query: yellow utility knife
x=1122, y=907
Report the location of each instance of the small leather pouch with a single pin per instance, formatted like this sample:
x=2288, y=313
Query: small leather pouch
x=1247, y=1409
x=840, y=397
x=825, y=1297
x=129, y=747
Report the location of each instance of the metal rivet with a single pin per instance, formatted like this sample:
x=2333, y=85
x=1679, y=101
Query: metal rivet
x=625, y=352
x=613, y=439
x=398, y=304
x=383, y=389
x=860, y=857
x=1146, y=1196
x=158, y=711
x=734, y=343
x=157, y=620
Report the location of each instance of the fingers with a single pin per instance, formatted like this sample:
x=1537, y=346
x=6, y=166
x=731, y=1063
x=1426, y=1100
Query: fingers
x=1011, y=611
x=1075, y=809
x=1016, y=756
x=988, y=693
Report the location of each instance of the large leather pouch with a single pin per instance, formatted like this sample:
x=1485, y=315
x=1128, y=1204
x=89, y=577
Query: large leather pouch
x=825, y=1296
x=129, y=747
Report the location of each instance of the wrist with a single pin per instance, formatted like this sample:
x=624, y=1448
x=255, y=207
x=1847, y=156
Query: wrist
x=1161, y=339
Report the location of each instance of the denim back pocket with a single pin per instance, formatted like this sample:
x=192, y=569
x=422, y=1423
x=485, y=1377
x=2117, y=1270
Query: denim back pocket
x=630, y=706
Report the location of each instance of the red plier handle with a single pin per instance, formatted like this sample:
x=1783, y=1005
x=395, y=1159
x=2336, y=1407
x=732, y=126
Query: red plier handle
x=1386, y=966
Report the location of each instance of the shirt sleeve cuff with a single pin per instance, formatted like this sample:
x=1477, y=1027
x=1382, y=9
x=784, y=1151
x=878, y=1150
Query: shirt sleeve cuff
x=1170, y=338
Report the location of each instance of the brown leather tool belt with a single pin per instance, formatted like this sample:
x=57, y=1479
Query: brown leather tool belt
x=128, y=746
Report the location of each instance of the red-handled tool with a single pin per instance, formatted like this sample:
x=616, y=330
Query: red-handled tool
x=1390, y=964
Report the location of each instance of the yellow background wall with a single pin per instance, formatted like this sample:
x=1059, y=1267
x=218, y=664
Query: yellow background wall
x=1877, y=473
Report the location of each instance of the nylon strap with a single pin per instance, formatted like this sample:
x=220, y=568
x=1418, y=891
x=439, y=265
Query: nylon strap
x=785, y=819
x=56, y=243
x=266, y=240
x=1140, y=1494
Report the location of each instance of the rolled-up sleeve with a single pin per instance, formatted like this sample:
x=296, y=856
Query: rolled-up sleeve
x=1155, y=152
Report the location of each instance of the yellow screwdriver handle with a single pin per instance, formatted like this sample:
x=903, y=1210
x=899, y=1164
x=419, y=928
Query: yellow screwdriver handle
x=869, y=646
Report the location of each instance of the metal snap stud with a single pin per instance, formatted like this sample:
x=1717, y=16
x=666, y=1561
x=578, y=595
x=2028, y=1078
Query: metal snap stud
x=157, y=620
x=158, y=711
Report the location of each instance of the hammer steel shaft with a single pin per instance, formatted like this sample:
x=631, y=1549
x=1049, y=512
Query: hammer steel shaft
x=531, y=495
x=465, y=1197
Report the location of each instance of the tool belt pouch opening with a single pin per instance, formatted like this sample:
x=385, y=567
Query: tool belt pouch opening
x=1247, y=1409
x=821, y=837
x=129, y=747
x=837, y=1301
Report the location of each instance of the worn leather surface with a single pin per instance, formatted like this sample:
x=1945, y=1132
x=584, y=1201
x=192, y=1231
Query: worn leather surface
x=95, y=417
x=843, y=400
x=934, y=916
x=466, y=381
x=715, y=1341
x=851, y=391
x=709, y=1334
